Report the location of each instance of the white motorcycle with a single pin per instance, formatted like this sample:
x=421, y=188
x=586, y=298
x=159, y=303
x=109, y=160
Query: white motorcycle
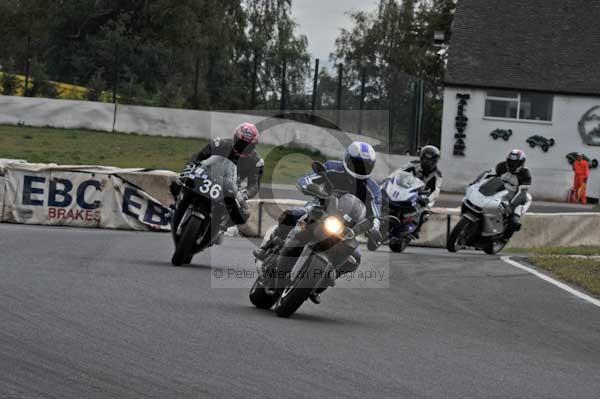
x=484, y=219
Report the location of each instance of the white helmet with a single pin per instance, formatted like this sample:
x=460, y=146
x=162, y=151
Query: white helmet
x=359, y=160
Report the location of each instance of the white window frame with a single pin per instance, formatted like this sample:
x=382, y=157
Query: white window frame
x=518, y=100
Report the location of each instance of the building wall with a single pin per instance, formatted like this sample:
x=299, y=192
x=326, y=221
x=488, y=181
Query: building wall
x=552, y=174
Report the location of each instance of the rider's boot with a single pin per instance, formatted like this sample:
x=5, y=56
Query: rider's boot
x=315, y=297
x=514, y=224
x=220, y=238
x=277, y=237
x=260, y=253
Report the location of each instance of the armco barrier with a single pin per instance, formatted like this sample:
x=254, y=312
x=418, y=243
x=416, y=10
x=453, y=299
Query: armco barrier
x=539, y=229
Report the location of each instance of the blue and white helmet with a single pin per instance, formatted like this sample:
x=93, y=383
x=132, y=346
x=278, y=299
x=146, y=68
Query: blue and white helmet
x=359, y=160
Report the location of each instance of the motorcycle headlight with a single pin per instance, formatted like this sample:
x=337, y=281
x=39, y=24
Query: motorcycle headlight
x=333, y=225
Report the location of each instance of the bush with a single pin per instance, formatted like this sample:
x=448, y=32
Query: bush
x=96, y=86
x=40, y=85
x=43, y=88
x=10, y=84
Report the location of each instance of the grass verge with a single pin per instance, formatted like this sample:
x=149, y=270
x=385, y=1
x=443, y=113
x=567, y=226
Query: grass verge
x=583, y=272
x=77, y=147
x=584, y=251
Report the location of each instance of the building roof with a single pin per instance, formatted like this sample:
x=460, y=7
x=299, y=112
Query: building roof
x=539, y=45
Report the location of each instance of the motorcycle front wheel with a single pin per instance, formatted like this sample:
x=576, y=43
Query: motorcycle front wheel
x=186, y=243
x=399, y=246
x=294, y=294
x=459, y=236
x=372, y=245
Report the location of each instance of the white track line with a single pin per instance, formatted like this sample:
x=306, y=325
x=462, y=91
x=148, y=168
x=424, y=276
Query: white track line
x=544, y=277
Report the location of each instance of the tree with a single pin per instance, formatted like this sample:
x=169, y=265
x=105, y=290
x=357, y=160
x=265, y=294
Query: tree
x=387, y=50
x=219, y=54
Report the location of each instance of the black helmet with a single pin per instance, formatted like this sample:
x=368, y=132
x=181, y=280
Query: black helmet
x=515, y=161
x=430, y=156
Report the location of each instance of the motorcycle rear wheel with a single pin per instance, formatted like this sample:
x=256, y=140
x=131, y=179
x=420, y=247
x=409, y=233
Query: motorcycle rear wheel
x=493, y=247
x=186, y=243
x=459, y=235
x=259, y=297
x=399, y=246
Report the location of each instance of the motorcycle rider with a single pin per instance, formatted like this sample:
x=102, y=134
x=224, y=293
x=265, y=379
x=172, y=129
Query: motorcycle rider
x=241, y=150
x=351, y=175
x=517, y=180
x=426, y=169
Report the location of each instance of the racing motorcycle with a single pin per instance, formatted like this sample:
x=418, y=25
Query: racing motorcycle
x=330, y=234
x=484, y=217
x=403, y=203
x=209, y=194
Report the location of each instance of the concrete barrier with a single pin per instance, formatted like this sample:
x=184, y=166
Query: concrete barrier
x=539, y=229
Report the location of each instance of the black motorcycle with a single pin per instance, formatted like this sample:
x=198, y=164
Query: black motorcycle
x=209, y=194
x=329, y=235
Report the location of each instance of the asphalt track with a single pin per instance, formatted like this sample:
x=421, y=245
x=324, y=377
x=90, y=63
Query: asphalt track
x=103, y=314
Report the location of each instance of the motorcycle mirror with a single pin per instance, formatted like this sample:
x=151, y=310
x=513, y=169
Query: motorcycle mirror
x=318, y=168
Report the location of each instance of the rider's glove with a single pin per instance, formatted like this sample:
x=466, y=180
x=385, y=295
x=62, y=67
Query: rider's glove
x=423, y=200
x=376, y=224
x=316, y=190
x=507, y=207
x=187, y=170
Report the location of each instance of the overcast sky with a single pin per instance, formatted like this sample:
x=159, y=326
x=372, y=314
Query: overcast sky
x=321, y=21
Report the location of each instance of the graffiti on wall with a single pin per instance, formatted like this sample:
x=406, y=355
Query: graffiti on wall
x=461, y=125
x=501, y=133
x=589, y=126
x=540, y=141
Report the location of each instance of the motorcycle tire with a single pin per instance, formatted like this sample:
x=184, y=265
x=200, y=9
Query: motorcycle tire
x=372, y=245
x=493, y=247
x=462, y=229
x=187, y=242
x=294, y=295
x=399, y=246
x=259, y=296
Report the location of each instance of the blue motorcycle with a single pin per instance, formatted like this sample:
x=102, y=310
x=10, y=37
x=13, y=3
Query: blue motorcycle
x=403, y=206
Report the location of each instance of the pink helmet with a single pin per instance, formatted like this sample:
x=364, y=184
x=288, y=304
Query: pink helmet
x=245, y=139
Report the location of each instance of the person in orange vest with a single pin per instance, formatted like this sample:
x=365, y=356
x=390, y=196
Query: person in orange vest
x=582, y=172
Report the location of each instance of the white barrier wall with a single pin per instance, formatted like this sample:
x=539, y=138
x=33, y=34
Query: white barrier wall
x=552, y=174
x=68, y=114
x=539, y=230
x=182, y=123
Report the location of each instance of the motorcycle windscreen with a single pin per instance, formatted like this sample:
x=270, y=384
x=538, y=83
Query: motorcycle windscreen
x=492, y=187
x=403, y=187
x=216, y=177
